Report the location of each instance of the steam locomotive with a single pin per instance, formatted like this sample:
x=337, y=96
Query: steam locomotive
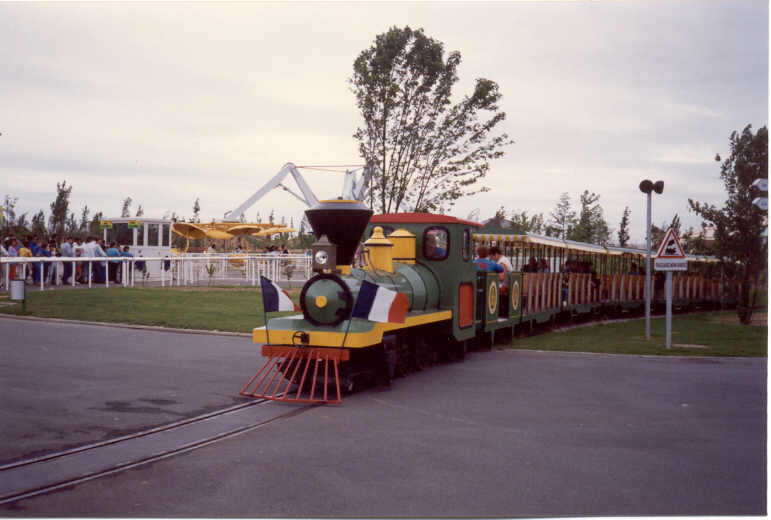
x=316, y=356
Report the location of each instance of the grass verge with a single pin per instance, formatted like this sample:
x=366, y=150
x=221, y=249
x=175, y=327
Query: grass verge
x=234, y=310
x=699, y=334
x=240, y=310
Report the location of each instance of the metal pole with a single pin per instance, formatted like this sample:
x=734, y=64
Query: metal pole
x=648, y=273
x=669, y=309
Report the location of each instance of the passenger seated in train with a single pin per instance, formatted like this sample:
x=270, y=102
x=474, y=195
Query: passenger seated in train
x=503, y=285
x=531, y=266
x=484, y=263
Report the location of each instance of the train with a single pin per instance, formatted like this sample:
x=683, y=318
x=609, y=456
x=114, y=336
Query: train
x=323, y=353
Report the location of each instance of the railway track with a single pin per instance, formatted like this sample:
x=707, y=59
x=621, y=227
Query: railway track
x=35, y=476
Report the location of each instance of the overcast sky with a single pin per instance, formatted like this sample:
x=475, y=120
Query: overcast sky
x=167, y=102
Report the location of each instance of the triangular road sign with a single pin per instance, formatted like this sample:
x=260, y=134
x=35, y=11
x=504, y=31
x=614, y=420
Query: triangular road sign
x=670, y=247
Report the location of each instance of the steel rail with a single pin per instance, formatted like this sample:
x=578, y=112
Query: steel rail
x=34, y=490
x=135, y=435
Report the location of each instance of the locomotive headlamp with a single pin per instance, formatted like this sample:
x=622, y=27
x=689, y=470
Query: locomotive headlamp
x=324, y=255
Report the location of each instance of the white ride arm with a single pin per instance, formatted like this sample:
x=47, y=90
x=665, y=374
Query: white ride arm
x=309, y=198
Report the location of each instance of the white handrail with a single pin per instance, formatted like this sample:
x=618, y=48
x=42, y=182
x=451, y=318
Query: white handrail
x=184, y=269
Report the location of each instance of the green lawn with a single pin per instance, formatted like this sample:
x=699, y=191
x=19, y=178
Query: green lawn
x=240, y=310
x=235, y=310
x=700, y=334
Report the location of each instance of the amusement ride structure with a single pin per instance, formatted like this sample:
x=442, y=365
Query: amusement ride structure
x=233, y=224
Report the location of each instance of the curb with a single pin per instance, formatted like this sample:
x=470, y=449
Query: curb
x=154, y=328
x=645, y=356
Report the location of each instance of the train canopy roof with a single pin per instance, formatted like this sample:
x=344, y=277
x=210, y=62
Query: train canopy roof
x=572, y=245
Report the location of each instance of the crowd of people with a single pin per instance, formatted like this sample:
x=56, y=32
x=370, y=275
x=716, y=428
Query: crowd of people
x=66, y=248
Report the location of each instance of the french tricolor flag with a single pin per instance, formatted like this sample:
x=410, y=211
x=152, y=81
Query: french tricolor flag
x=376, y=303
x=274, y=298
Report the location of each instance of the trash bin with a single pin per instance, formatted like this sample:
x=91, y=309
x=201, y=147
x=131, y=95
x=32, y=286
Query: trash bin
x=17, y=290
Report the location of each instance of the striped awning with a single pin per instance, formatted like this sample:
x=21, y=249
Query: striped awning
x=572, y=245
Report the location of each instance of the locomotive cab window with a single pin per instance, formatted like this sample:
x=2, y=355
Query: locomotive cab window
x=466, y=246
x=436, y=243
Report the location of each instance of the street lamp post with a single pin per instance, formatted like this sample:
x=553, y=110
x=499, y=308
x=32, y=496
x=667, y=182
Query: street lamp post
x=648, y=187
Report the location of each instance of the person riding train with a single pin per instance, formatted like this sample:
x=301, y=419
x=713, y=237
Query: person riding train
x=503, y=286
x=486, y=264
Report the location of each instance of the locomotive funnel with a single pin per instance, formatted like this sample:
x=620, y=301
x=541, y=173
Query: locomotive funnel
x=343, y=222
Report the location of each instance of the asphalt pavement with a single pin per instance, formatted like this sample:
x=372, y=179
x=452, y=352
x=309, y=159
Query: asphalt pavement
x=505, y=433
x=68, y=384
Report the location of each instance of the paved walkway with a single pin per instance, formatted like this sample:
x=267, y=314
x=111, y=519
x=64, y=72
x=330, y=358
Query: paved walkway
x=505, y=433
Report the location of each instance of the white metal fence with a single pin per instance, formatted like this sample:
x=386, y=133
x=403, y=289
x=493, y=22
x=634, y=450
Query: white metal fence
x=178, y=270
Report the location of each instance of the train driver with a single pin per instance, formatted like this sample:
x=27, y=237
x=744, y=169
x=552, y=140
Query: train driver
x=433, y=250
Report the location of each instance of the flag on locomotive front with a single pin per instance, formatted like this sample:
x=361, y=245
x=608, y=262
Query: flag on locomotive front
x=274, y=298
x=376, y=303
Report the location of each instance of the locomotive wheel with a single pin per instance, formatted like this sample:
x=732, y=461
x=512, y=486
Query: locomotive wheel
x=391, y=352
x=461, y=349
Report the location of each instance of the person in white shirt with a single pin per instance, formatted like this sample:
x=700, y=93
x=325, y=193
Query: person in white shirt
x=91, y=249
x=3, y=267
x=497, y=256
x=503, y=284
x=67, y=252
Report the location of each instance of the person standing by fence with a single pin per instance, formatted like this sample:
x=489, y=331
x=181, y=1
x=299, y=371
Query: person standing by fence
x=3, y=267
x=10, y=247
x=67, y=253
x=25, y=252
x=113, y=265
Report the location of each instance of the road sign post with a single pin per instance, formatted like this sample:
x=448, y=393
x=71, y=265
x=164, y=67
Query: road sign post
x=669, y=309
x=670, y=257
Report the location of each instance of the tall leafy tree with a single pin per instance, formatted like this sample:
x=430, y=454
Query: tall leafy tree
x=84, y=221
x=675, y=224
x=39, y=223
x=197, y=210
x=21, y=226
x=72, y=224
x=694, y=242
x=528, y=223
x=93, y=226
x=430, y=151
x=591, y=225
x=623, y=228
x=60, y=208
x=126, y=211
x=739, y=223
x=657, y=235
x=563, y=218
x=9, y=212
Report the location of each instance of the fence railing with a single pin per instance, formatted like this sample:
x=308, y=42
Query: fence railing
x=178, y=270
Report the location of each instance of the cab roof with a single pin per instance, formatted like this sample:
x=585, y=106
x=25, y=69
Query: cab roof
x=419, y=218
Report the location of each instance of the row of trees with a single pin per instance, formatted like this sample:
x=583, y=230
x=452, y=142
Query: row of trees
x=589, y=225
x=61, y=221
